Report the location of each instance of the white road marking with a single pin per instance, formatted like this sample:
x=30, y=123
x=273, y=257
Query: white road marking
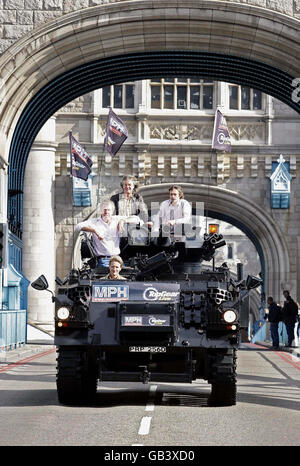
x=146, y=420
x=149, y=407
x=153, y=388
x=145, y=425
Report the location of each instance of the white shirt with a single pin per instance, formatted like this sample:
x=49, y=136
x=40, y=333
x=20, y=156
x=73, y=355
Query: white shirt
x=181, y=212
x=109, y=246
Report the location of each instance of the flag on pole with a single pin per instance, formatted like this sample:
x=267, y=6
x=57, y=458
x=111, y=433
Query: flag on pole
x=116, y=133
x=81, y=163
x=221, y=137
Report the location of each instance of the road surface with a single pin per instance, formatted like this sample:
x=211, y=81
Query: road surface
x=157, y=414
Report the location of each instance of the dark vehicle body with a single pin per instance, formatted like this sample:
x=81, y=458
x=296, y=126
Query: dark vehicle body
x=171, y=320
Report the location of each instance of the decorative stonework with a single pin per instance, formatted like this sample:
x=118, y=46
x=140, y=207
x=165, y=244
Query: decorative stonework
x=180, y=132
x=203, y=132
x=80, y=105
x=247, y=132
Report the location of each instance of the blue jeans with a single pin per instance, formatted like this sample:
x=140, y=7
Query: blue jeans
x=103, y=262
x=274, y=333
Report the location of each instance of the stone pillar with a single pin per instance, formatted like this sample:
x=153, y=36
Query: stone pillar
x=38, y=223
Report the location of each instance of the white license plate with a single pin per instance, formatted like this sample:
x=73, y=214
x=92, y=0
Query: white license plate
x=147, y=349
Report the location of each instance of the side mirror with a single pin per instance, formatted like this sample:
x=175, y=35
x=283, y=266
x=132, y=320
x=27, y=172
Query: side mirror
x=253, y=282
x=40, y=283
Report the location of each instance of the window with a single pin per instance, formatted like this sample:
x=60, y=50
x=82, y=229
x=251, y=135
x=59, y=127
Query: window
x=244, y=98
x=82, y=192
x=280, y=201
x=118, y=96
x=182, y=94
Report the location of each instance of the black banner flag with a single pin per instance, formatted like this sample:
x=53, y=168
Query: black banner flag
x=221, y=137
x=116, y=133
x=80, y=161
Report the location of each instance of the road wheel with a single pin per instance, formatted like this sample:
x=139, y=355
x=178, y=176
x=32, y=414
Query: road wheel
x=223, y=377
x=76, y=378
x=223, y=394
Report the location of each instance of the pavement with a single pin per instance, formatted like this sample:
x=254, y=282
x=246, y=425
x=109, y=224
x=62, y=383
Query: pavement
x=294, y=350
x=39, y=341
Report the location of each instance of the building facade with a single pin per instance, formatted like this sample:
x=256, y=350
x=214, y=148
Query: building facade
x=170, y=124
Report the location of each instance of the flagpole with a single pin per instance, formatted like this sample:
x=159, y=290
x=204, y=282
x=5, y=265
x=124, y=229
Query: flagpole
x=116, y=134
x=101, y=163
x=72, y=201
x=212, y=152
x=80, y=167
x=221, y=138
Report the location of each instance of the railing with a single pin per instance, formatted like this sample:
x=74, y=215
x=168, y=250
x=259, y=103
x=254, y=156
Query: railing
x=12, y=328
x=263, y=334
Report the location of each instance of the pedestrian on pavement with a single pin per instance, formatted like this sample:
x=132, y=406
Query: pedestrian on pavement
x=289, y=316
x=105, y=231
x=115, y=266
x=274, y=317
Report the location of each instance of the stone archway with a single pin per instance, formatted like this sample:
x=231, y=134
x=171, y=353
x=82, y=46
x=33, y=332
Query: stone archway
x=232, y=30
x=103, y=45
x=93, y=47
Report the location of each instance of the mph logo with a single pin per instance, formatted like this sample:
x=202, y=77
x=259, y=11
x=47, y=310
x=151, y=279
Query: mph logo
x=102, y=293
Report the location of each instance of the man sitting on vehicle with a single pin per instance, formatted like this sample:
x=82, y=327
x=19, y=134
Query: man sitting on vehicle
x=106, y=231
x=174, y=213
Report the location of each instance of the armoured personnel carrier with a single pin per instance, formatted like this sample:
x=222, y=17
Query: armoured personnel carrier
x=173, y=319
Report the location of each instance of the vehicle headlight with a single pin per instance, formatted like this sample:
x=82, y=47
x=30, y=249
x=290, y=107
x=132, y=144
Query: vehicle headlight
x=229, y=316
x=63, y=313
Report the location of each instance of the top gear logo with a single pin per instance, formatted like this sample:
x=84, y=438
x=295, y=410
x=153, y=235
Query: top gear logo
x=152, y=294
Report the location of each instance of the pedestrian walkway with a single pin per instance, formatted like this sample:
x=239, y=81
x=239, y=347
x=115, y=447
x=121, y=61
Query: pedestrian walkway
x=287, y=349
x=37, y=341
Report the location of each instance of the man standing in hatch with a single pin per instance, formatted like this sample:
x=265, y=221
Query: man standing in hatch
x=175, y=213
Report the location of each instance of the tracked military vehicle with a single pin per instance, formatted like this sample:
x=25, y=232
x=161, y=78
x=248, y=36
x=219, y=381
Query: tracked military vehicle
x=173, y=319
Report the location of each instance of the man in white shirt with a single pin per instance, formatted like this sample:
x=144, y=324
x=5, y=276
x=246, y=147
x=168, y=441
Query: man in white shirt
x=174, y=212
x=105, y=231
